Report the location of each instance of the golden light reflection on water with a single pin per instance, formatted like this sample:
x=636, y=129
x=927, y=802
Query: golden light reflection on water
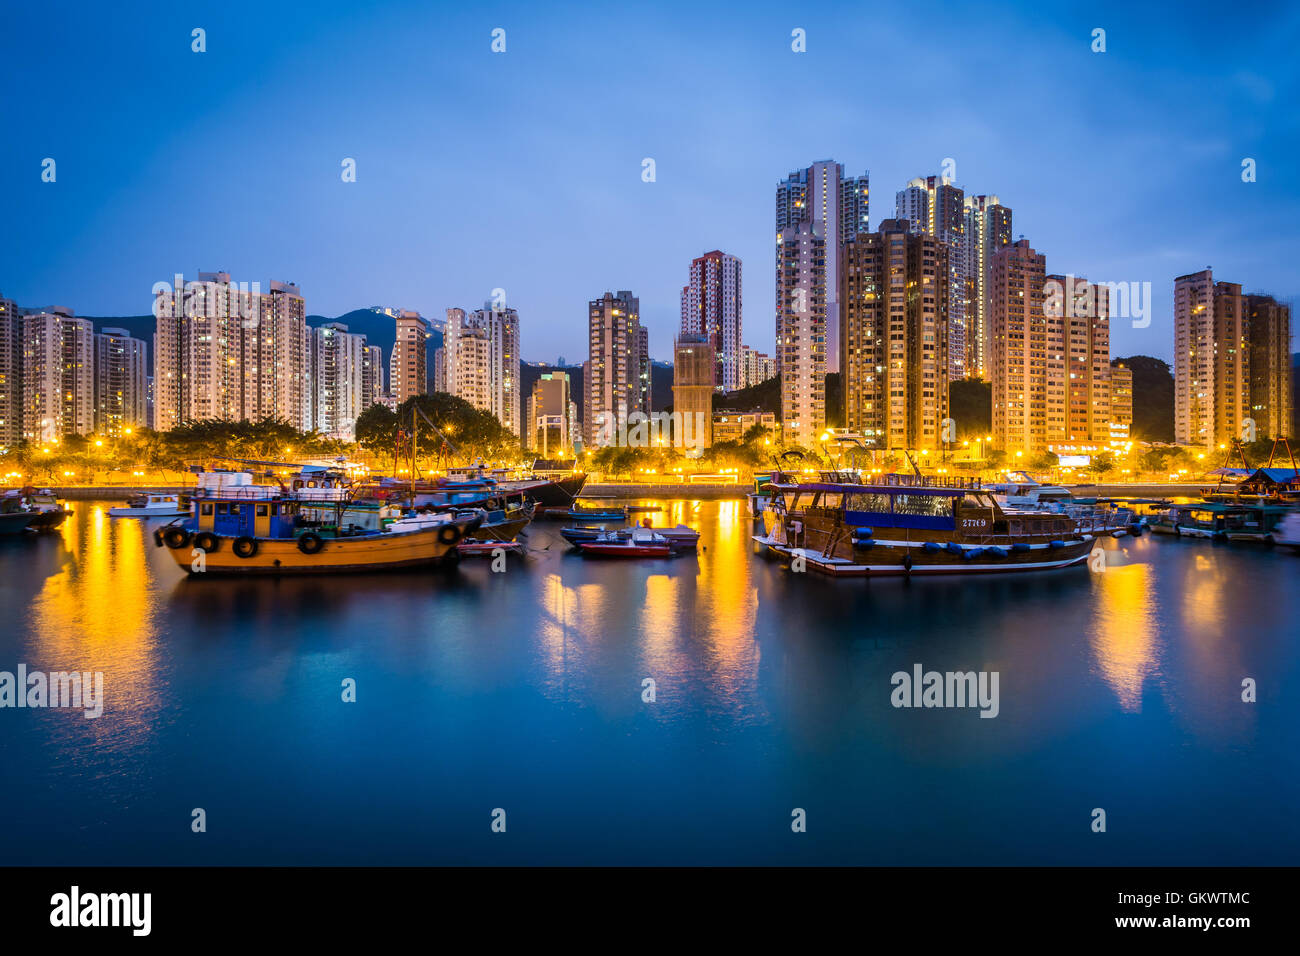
x=97, y=612
x=1124, y=633
x=688, y=621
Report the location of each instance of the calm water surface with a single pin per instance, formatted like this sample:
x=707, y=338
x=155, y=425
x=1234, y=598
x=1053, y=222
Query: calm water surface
x=523, y=690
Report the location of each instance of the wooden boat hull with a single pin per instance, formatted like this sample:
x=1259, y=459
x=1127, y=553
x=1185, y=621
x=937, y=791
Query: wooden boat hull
x=145, y=513
x=16, y=522
x=370, y=552
x=49, y=520
x=912, y=559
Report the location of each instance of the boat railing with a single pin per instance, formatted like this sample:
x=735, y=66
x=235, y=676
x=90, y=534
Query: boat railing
x=241, y=493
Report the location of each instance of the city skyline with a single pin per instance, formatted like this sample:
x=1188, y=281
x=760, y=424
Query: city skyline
x=1186, y=209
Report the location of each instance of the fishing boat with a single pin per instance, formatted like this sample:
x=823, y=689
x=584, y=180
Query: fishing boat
x=1097, y=516
x=152, y=505
x=1221, y=521
x=50, y=512
x=680, y=538
x=902, y=524
x=15, y=517
x=637, y=543
x=259, y=530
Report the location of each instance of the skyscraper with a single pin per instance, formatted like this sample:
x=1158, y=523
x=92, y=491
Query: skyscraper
x=1121, y=400
x=894, y=295
x=58, y=375
x=1269, y=354
x=987, y=229
x=1211, y=374
x=837, y=208
x=338, y=379
x=801, y=286
x=223, y=350
x=408, y=373
x=1084, y=310
x=612, y=376
x=11, y=373
x=481, y=361
x=934, y=206
x=121, y=396
x=711, y=305
x=1027, y=355
x=372, y=376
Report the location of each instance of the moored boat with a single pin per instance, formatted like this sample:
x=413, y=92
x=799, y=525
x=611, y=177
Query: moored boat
x=257, y=530
x=49, y=512
x=638, y=543
x=679, y=538
x=913, y=525
x=15, y=517
x=579, y=513
x=152, y=505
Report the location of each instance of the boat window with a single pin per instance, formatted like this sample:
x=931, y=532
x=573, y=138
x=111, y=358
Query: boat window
x=206, y=509
x=234, y=509
x=223, y=509
x=831, y=499
x=921, y=505
x=868, y=502
x=261, y=511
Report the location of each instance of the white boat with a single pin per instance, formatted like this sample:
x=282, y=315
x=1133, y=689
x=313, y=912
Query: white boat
x=151, y=505
x=1287, y=532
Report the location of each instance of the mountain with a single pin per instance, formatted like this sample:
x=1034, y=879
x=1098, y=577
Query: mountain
x=381, y=330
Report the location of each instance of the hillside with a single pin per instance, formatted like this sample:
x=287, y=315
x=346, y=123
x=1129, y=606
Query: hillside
x=1153, y=398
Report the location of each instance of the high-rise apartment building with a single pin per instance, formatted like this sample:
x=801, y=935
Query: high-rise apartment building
x=894, y=296
x=1211, y=361
x=613, y=375
x=645, y=373
x=693, y=385
x=1269, y=356
x=1121, y=401
x=1027, y=355
x=801, y=322
x=550, y=416
x=934, y=206
x=987, y=229
x=372, y=376
x=1050, y=355
x=408, y=373
x=755, y=367
x=121, y=382
x=711, y=305
x=338, y=380
x=11, y=373
x=227, y=351
x=58, y=375
x=1084, y=310
x=481, y=361
x=837, y=207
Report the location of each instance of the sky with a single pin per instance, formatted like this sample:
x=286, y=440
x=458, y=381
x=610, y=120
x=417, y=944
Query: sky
x=522, y=170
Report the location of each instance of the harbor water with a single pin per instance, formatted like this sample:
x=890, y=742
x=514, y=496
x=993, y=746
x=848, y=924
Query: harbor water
x=525, y=697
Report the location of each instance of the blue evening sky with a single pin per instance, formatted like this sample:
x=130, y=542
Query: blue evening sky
x=522, y=170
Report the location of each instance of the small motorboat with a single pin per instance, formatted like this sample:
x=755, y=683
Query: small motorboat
x=638, y=543
x=597, y=514
x=681, y=538
x=1287, y=532
x=150, y=505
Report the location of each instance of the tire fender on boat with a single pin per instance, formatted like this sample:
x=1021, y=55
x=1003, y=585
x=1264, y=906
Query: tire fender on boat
x=244, y=546
x=176, y=537
x=309, y=542
x=450, y=534
x=207, y=541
